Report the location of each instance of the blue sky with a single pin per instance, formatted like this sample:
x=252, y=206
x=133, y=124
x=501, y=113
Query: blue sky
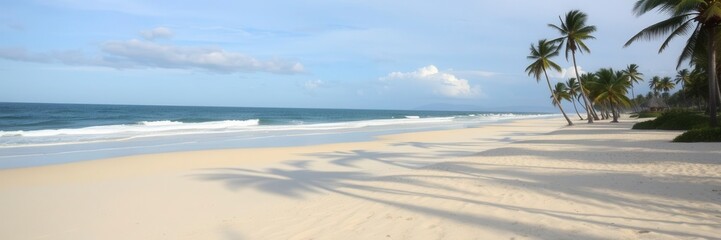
x=318, y=54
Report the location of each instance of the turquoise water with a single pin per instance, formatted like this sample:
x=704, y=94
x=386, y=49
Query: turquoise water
x=37, y=134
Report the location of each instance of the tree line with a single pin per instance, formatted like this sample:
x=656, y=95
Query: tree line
x=604, y=94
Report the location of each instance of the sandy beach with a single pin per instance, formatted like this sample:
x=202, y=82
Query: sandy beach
x=528, y=179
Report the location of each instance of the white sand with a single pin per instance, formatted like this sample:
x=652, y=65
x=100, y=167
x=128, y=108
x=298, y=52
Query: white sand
x=529, y=179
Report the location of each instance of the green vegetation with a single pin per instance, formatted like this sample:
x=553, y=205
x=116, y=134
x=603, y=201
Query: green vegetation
x=605, y=91
x=610, y=89
x=647, y=125
x=541, y=55
x=574, y=32
x=676, y=120
x=573, y=88
x=633, y=76
x=646, y=114
x=700, y=135
x=695, y=122
x=701, y=20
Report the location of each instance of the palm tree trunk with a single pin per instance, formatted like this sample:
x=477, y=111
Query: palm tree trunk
x=556, y=99
x=718, y=90
x=578, y=98
x=576, y=108
x=633, y=96
x=589, y=107
x=595, y=115
x=613, y=112
x=605, y=110
x=683, y=93
x=712, y=82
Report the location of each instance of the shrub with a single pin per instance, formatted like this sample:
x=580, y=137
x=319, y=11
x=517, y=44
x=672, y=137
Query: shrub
x=684, y=122
x=648, y=114
x=675, y=120
x=700, y=135
x=650, y=124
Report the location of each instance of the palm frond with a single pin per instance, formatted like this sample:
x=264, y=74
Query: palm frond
x=681, y=30
x=684, y=6
x=583, y=47
x=658, y=29
x=541, y=55
x=554, y=66
x=643, y=6
x=690, y=48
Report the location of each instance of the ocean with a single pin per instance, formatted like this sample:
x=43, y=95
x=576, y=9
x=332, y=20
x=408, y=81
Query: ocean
x=34, y=134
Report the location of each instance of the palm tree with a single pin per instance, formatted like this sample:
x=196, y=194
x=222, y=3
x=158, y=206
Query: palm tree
x=589, y=77
x=633, y=76
x=573, y=89
x=698, y=85
x=560, y=93
x=612, y=88
x=666, y=84
x=573, y=32
x=699, y=17
x=593, y=90
x=683, y=77
x=700, y=61
x=639, y=100
x=541, y=55
x=654, y=85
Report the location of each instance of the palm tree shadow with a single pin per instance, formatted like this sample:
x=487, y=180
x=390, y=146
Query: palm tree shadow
x=436, y=145
x=300, y=183
x=354, y=157
x=290, y=183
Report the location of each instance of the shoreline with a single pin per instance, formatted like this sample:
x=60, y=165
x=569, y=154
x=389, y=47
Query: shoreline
x=31, y=156
x=526, y=179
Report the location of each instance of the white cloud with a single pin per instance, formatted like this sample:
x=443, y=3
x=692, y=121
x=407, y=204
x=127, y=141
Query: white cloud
x=70, y=57
x=20, y=54
x=156, y=33
x=145, y=53
x=430, y=79
x=311, y=85
x=472, y=73
x=566, y=73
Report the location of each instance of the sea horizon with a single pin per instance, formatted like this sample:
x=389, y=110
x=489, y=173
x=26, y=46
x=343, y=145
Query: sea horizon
x=419, y=108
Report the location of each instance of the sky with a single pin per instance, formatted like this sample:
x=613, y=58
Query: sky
x=369, y=54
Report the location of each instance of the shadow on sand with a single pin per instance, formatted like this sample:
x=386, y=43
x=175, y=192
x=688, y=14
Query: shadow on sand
x=424, y=174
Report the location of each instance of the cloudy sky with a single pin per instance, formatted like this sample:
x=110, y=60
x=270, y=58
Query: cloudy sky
x=317, y=53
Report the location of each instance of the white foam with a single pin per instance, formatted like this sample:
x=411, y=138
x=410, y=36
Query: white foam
x=159, y=123
x=118, y=132
x=252, y=126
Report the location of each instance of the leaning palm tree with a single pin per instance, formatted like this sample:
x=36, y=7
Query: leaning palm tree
x=573, y=32
x=541, y=55
x=683, y=77
x=699, y=17
x=633, y=76
x=573, y=88
x=560, y=93
x=612, y=88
